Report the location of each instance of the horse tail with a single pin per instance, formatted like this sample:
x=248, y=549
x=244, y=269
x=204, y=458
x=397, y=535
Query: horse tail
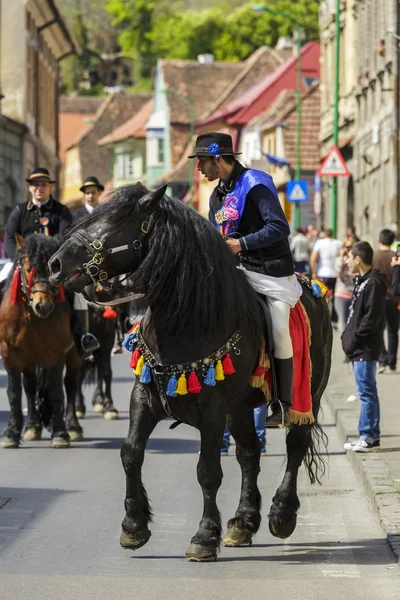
x=90, y=376
x=43, y=404
x=314, y=462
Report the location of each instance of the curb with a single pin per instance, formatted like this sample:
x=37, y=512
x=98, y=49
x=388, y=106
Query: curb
x=372, y=471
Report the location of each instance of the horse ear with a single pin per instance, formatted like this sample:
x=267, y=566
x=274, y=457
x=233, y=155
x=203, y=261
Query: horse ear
x=150, y=200
x=19, y=240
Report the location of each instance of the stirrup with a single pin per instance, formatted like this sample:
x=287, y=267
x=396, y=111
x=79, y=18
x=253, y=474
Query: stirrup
x=89, y=343
x=284, y=422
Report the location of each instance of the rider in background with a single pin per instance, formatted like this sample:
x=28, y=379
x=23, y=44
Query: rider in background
x=43, y=214
x=245, y=203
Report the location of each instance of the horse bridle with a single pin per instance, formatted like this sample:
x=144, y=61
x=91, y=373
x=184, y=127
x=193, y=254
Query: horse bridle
x=28, y=290
x=99, y=253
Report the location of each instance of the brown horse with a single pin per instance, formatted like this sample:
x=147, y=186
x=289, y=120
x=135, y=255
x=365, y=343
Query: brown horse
x=36, y=342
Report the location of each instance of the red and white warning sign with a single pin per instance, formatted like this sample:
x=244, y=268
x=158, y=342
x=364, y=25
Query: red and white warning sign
x=334, y=165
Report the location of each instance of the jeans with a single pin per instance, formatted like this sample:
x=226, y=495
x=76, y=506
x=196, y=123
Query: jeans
x=260, y=415
x=330, y=283
x=342, y=306
x=389, y=357
x=365, y=376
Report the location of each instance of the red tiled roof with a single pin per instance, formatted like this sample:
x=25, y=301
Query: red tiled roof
x=133, y=128
x=70, y=126
x=249, y=104
x=80, y=104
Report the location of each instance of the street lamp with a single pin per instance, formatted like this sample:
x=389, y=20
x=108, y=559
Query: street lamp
x=273, y=11
x=192, y=123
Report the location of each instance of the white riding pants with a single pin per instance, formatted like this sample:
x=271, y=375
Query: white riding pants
x=280, y=314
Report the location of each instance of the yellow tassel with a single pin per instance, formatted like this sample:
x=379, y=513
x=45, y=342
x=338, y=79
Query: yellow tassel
x=219, y=371
x=265, y=362
x=139, y=366
x=182, y=385
x=256, y=381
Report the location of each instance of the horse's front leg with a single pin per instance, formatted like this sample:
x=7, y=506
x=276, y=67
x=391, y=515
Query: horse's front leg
x=205, y=543
x=98, y=394
x=247, y=519
x=33, y=427
x=80, y=408
x=285, y=504
x=55, y=391
x=110, y=412
x=12, y=435
x=72, y=381
x=135, y=532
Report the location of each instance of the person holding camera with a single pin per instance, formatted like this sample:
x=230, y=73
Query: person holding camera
x=383, y=262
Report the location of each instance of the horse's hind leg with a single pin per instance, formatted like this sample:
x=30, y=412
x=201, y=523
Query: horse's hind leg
x=12, y=435
x=80, y=408
x=247, y=519
x=110, y=412
x=285, y=504
x=33, y=427
x=55, y=391
x=71, y=382
x=205, y=543
x=135, y=532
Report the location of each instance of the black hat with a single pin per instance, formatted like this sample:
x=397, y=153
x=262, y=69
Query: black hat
x=89, y=181
x=214, y=144
x=39, y=174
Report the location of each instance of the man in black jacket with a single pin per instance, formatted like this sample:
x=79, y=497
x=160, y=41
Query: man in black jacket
x=362, y=342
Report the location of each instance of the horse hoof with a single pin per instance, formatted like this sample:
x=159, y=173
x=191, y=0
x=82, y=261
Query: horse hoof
x=32, y=434
x=199, y=553
x=79, y=414
x=111, y=415
x=236, y=537
x=75, y=436
x=8, y=442
x=136, y=541
x=60, y=441
x=98, y=409
x=284, y=530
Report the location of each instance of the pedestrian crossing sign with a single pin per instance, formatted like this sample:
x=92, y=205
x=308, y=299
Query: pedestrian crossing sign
x=297, y=191
x=334, y=165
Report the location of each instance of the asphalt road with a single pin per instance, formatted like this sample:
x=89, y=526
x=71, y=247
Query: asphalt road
x=60, y=512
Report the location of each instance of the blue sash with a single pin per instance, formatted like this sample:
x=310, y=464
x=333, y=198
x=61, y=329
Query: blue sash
x=227, y=219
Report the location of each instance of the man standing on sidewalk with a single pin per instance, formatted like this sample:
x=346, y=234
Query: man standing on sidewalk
x=362, y=342
x=382, y=261
x=323, y=265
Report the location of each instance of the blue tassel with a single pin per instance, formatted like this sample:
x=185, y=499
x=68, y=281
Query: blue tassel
x=130, y=341
x=171, y=387
x=210, y=379
x=145, y=376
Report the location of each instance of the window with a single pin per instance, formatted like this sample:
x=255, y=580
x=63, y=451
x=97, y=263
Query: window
x=124, y=166
x=160, y=150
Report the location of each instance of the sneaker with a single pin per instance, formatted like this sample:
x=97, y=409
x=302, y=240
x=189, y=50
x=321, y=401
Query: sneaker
x=392, y=367
x=362, y=446
x=381, y=369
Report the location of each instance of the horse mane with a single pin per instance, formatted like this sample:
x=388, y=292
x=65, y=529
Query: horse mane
x=38, y=249
x=189, y=276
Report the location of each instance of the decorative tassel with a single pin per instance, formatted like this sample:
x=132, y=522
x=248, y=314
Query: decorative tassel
x=227, y=364
x=139, y=366
x=135, y=358
x=194, y=386
x=16, y=291
x=109, y=313
x=60, y=295
x=30, y=282
x=145, y=376
x=219, y=371
x=265, y=362
x=135, y=327
x=182, y=385
x=259, y=371
x=171, y=387
x=257, y=378
x=210, y=379
x=129, y=341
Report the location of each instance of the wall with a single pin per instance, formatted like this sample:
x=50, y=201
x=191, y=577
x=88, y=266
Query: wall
x=12, y=184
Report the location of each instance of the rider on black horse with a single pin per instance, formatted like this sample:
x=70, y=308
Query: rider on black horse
x=43, y=214
x=246, y=209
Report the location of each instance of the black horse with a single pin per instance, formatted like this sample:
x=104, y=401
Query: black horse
x=200, y=305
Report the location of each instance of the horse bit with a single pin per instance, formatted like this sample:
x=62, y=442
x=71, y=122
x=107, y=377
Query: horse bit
x=99, y=253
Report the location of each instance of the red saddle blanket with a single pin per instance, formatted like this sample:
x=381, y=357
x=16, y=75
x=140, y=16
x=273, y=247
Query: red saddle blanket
x=300, y=331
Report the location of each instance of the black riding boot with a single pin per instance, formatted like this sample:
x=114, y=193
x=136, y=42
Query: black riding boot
x=284, y=381
x=85, y=342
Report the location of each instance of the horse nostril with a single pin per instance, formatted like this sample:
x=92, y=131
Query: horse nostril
x=55, y=266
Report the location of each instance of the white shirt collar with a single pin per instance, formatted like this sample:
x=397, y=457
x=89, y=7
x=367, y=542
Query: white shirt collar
x=39, y=204
x=89, y=208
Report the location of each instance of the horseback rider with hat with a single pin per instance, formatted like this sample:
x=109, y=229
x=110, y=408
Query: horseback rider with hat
x=246, y=209
x=43, y=214
x=91, y=189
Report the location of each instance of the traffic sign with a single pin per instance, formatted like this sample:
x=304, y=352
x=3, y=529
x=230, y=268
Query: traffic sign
x=297, y=191
x=334, y=165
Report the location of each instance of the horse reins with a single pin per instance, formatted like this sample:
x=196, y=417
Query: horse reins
x=28, y=287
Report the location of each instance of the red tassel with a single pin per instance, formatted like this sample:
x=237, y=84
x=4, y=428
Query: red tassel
x=134, y=358
x=30, y=282
x=60, y=294
x=259, y=371
x=227, y=364
x=16, y=291
x=194, y=386
x=109, y=313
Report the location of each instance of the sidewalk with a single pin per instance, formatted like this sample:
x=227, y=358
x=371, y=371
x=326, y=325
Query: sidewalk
x=379, y=472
